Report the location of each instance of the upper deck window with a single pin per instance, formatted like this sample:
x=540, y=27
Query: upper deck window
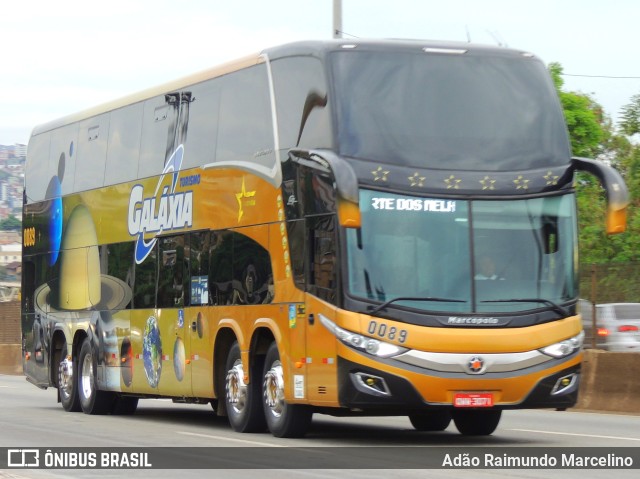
x=460, y=112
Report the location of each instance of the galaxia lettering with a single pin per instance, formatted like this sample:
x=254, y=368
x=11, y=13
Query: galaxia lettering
x=171, y=211
x=153, y=215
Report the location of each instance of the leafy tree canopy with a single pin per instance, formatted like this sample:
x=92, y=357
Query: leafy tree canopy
x=10, y=224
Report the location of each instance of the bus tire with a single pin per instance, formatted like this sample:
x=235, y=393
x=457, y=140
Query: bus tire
x=68, y=382
x=283, y=420
x=242, y=400
x=92, y=400
x=474, y=422
x=430, y=421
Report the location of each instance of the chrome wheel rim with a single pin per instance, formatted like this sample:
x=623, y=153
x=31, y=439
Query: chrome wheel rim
x=86, y=381
x=65, y=378
x=236, y=387
x=274, y=389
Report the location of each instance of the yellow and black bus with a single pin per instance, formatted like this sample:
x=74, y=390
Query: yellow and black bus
x=346, y=228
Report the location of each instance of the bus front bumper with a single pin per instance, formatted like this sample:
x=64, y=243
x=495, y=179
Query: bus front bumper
x=370, y=389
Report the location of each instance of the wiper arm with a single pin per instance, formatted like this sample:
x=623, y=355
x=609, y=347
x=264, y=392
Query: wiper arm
x=555, y=306
x=410, y=298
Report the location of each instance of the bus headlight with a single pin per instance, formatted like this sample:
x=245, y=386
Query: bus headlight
x=564, y=348
x=362, y=343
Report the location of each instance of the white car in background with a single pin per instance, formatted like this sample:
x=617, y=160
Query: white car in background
x=617, y=326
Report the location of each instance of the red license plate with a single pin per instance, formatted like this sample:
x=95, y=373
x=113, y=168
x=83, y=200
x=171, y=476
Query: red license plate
x=473, y=400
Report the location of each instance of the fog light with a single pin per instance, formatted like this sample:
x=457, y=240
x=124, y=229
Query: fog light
x=371, y=384
x=564, y=383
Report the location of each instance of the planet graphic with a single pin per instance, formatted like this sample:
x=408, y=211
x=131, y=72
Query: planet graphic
x=55, y=219
x=152, y=352
x=179, y=359
x=80, y=280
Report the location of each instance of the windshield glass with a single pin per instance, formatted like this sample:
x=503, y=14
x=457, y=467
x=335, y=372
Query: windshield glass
x=463, y=256
x=409, y=109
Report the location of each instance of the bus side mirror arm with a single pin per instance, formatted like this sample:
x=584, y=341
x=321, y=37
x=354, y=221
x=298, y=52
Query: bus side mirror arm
x=615, y=188
x=346, y=182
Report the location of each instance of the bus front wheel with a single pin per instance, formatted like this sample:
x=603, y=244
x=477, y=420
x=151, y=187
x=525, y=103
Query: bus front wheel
x=430, y=421
x=475, y=422
x=283, y=420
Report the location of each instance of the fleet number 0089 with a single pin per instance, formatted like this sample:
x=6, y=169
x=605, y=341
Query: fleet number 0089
x=384, y=331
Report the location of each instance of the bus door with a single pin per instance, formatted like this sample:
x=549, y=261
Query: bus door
x=320, y=300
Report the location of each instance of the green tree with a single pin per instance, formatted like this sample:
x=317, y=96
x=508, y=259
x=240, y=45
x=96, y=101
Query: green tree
x=630, y=122
x=593, y=135
x=584, y=117
x=10, y=224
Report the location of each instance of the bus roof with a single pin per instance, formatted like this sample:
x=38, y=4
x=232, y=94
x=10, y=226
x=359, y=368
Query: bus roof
x=303, y=48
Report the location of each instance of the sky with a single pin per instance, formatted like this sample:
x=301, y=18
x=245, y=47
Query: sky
x=59, y=57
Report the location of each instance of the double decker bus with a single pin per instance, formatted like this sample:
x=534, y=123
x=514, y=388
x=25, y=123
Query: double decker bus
x=347, y=228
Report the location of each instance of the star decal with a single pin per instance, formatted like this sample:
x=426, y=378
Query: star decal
x=452, y=182
x=380, y=174
x=246, y=198
x=488, y=183
x=416, y=180
x=521, y=183
x=551, y=178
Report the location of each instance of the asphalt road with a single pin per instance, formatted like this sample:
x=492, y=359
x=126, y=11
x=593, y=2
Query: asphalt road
x=31, y=418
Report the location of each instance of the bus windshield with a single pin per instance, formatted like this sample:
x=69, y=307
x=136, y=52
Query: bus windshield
x=458, y=256
x=408, y=109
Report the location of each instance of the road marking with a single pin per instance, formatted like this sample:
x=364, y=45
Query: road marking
x=579, y=435
x=226, y=439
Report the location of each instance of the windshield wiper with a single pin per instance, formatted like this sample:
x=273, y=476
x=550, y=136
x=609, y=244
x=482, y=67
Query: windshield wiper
x=555, y=306
x=410, y=298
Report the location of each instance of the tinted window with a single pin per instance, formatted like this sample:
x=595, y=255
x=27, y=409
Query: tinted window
x=245, y=133
x=119, y=261
x=202, y=130
x=124, y=144
x=221, y=268
x=144, y=288
x=253, y=280
x=62, y=161
x=301, y=101
x=625, y=312
x=199, y=267
x=240, y=270
x=38, y=174
x=324, y=265
x=158, y=134
x=173, y=272
x=92, y=153
x=448, y=111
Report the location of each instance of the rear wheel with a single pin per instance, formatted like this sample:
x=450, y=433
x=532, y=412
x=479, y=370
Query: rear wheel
x=283, y=420
x=92, y=400
x=473, y=422
x=243, y=400
x=430, y=421
x=68, y=382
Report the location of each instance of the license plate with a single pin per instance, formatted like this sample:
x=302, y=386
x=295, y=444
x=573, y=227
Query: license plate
x=473, y=400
